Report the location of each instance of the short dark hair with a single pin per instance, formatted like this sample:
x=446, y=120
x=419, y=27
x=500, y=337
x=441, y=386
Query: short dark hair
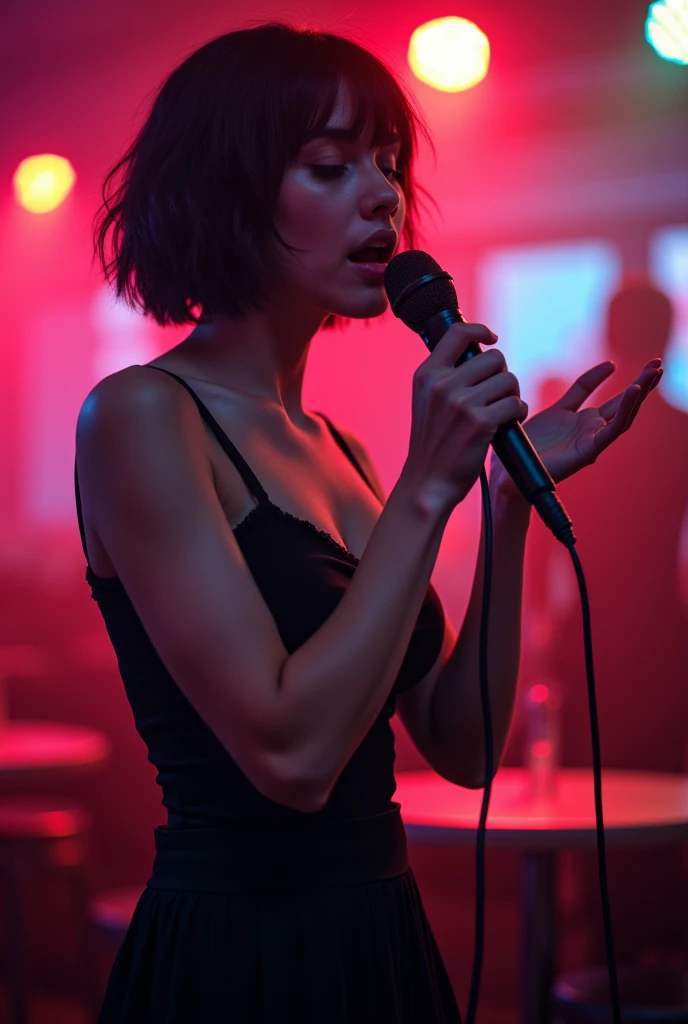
x=190, y=205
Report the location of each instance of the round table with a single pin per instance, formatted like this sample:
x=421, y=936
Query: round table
x=638, y=808
x=35, y=750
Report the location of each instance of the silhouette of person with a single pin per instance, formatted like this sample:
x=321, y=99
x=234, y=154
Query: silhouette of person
x=630, y=516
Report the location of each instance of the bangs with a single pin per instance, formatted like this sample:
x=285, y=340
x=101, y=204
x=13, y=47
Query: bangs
x=379, y=110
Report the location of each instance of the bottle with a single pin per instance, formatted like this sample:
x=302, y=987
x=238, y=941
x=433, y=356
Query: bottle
x=543, y=702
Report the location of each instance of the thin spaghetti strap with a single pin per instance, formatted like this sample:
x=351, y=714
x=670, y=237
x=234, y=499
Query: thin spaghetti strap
x=347, y=451
x=249, y=477
x=79, y=514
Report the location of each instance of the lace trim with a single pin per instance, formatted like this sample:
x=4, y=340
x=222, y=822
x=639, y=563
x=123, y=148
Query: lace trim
x=101, y=581
x=258, y=514
x=267, y=509
x=261, y=512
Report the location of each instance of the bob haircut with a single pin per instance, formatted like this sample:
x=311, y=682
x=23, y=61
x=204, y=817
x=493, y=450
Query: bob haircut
x=190, y=206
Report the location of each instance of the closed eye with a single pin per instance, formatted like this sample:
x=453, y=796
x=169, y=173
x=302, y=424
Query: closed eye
x=329, y=171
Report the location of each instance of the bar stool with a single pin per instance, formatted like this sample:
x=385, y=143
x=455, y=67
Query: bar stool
x=38, y=834
x=656, y=993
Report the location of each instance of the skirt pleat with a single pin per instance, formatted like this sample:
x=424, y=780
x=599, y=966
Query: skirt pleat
x=342, y=949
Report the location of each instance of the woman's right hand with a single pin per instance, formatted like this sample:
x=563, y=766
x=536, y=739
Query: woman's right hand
x=456, y=411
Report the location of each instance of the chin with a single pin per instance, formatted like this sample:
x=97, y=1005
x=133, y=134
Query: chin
x=371, y=305
x=370, y=314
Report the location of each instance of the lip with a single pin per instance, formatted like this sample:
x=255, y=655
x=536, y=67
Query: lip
x=373, y=271
x=383, y=238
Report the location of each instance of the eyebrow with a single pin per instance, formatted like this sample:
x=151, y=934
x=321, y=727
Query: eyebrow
x=347, y=135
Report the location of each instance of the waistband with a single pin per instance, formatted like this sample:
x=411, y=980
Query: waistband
x=284, y=855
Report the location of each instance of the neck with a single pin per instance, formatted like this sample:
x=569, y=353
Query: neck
x=262, y=357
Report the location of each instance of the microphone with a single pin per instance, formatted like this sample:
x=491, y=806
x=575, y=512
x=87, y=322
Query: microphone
x=422, y=295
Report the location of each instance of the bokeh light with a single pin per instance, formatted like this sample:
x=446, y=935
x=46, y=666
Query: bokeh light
x=450, y=54
x=42, y=183
x=666, y=29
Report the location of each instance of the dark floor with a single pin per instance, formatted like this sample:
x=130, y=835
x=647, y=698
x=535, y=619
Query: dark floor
x=52, y=1009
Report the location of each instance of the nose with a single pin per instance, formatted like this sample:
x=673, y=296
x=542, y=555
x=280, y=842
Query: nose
x=381, y=193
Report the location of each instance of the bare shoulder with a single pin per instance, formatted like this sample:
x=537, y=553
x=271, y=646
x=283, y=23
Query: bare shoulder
x=136, y=428
x=134, y=388
x=137, y=410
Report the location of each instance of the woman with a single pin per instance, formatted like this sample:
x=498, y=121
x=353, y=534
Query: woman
x=265, y=642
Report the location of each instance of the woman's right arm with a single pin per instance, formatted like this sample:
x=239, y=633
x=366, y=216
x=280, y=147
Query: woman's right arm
x=291, y=722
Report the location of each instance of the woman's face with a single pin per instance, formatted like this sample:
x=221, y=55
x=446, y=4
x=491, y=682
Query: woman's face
x=337, y=193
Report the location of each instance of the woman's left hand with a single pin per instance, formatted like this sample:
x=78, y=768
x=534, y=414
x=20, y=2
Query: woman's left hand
x=567, y=437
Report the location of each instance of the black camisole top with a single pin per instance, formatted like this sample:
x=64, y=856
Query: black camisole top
x=302, y=574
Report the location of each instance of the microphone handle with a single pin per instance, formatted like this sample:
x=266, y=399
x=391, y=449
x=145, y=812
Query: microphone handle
x=513, y=446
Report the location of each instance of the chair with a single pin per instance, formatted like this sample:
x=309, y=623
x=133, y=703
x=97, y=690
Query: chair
x=38, y=834
x=656, y=993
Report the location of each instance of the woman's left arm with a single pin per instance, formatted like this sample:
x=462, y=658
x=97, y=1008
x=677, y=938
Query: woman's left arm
x=567, y=438
x=456, y=708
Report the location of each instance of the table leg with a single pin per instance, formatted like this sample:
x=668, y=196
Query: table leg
x=17, y=975
x=538, y=875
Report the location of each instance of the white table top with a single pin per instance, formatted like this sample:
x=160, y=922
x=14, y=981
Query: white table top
x=638, y=807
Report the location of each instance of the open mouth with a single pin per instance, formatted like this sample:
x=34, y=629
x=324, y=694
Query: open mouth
x=379, y=254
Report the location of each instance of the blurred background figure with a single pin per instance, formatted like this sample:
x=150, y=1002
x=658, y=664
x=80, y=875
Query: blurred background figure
x=628, y=517
x=631, y=521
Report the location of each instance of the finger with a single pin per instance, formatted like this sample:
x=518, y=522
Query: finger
x=582, y=388
x=635, y=407
x=647, y=382
x=610, y=407
x=456, y=340
x=653, y=368
x=619, y=422
x=493, y=387
x=644, y=392
x=648, y=379
x=483, y=367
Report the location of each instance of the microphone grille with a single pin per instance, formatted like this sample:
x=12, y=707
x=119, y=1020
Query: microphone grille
x=425, y=301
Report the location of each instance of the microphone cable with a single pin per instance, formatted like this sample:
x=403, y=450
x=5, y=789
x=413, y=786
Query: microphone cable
x=489, y=771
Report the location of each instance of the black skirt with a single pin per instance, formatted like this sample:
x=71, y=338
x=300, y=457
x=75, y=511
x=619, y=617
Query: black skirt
x=308, y=923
